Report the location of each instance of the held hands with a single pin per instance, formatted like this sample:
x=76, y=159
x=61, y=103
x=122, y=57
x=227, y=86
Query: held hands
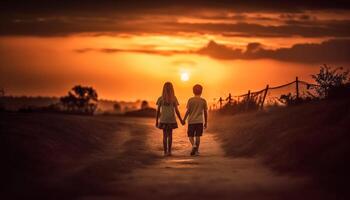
x=183, y=122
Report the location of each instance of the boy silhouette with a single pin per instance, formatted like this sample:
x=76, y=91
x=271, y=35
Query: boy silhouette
x=197, y=113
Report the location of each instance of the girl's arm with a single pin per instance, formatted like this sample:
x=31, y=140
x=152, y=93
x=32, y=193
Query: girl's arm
x=157, y=117
x=178, y=113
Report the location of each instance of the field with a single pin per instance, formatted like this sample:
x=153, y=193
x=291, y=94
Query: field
x=48, y=156
x=310, y=139
x=298, y=152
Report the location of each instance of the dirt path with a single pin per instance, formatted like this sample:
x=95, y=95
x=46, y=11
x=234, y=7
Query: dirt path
x=208, y=176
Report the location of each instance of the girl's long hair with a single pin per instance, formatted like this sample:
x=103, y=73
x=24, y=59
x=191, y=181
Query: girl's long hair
x=168, y=94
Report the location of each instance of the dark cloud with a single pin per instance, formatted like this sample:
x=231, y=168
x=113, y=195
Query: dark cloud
x=327, y=29
x=219, y=51
x=143, y=51
x=112, y=6
x=330, y=51
x=334, y=51
x=66, y=17
x=69, y=26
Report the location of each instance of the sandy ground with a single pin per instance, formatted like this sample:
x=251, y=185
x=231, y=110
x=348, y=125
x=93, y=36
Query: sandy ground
x=211, y=175
x=127, y=163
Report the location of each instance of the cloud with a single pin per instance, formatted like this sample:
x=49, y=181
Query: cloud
x=163, y=25
x=218, y=51
x=184, y=63
x=330, y=51
x=334, y=51
x=333, y=28
x=64, y=17
x=143, y=51
x=131, y=6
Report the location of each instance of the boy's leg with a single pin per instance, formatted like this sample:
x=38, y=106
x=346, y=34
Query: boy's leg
x=170, y=139
x=191, y=133
x=199, y=132
x=198, y=141
x=165, y=141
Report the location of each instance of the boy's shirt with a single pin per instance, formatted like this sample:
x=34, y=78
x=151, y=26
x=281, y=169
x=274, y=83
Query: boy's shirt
x=196, y=106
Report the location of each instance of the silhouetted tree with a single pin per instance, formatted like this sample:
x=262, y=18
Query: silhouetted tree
x=117, y=107
x=144, y=104
x=2, y=92
x=80, y=100
x=329, y=78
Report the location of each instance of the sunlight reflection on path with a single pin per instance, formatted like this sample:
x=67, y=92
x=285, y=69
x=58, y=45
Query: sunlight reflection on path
x=206, y=176
x=211, y=175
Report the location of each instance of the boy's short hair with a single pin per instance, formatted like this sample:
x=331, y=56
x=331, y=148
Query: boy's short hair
x=197, y=89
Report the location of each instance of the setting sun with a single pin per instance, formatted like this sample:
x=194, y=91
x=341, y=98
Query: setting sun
x=185, y=76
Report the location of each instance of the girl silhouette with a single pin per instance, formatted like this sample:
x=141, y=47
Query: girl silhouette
x=167, y=107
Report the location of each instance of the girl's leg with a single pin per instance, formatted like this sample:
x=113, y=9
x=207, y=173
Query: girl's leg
x=165, y=141
x=191, y=140
x=170, y=139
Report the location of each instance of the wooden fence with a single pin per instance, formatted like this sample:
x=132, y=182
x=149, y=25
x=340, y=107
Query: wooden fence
x=260, y=96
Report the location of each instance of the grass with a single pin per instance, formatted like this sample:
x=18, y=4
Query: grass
x=309, y=139
x=55, y=156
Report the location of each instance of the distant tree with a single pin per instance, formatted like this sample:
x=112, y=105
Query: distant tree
x=117, y=107
x=329, y=78
x=126, y=108
x=80, y=99
x=2, y=92
x=144, y=104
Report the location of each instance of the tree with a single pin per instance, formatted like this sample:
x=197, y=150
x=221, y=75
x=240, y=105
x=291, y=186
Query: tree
x=329, y=78
x=2, y=92
x=117, y=107
x=80, y=99
x=144, y=104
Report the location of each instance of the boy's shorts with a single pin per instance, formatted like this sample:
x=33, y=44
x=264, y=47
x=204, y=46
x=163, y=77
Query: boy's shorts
x=195, y=130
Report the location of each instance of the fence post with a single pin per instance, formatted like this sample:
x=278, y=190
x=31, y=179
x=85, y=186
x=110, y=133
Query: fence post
x=248, y=98
x=297, y=86
x=263, y=100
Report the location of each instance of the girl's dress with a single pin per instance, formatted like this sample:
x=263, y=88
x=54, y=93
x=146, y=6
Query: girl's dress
x=167, y=118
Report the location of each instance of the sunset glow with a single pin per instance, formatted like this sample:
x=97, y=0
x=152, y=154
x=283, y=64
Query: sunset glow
x=226, y=48
x=171, y=100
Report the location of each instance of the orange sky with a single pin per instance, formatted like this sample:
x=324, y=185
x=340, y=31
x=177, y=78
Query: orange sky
x=53, y=67
x=222, y=49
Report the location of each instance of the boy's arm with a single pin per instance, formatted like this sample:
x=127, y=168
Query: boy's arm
x=186, y=115
x=205, y=114
x=205, y=118
x=157, y=117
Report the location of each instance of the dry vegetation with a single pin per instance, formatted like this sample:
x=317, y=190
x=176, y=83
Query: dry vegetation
x=309, y=139
x=51, y=156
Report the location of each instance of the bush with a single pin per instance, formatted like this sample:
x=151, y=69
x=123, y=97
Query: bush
x=247, y=104
x=289, y=99
x=341, y=91
x=330, y=78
